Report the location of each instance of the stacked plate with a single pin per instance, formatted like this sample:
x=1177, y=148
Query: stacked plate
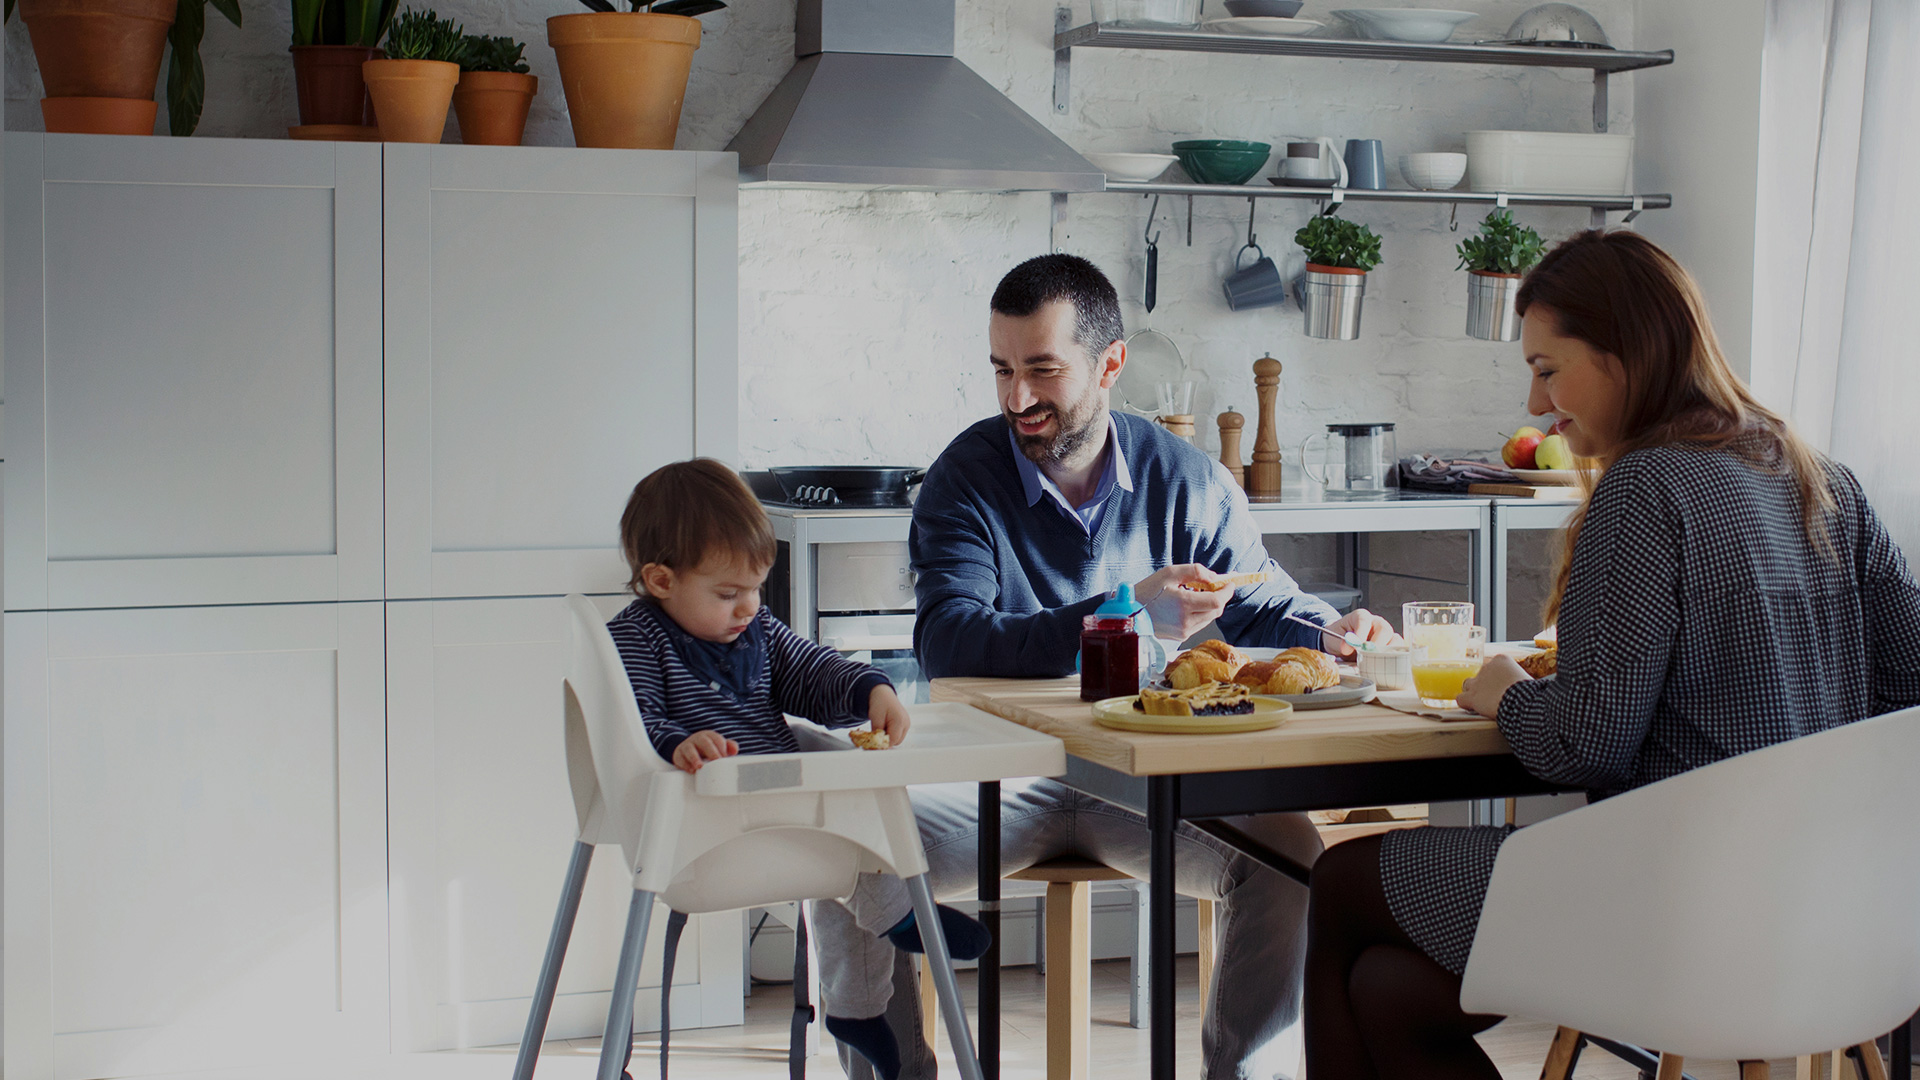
x=1425, y=25
x=1257, y=24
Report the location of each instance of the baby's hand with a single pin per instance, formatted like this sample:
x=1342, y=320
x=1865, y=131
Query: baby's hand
x=888, y=714
x=702, y=747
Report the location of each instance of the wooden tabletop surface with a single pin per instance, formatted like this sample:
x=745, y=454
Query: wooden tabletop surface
x=1353, y=735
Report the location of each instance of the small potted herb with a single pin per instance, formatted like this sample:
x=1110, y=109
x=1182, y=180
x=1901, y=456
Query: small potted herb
x=1339, y=254
x=413, y=86
x=495, y=92
x=625, y=72
x=1494, y=259
x=331, y=40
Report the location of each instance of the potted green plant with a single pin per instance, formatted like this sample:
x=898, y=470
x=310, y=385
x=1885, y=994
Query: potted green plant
x=331, y=39
x=1494, y=259
x=495, y=92
x=413, y=85
x=624, y=73
x=99, y=60
x=1339, y=254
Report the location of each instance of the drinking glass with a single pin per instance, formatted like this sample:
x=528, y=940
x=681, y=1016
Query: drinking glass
x=1438, y=681
x=1176, y=399
x=1440, y=625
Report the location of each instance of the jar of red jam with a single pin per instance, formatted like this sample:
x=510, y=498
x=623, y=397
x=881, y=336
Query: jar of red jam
x=1110, y=649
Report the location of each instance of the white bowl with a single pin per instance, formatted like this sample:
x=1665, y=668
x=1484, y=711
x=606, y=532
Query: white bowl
x=1406, y=24
x=1433, y=172
x=1390, y=669
x=1140, y=167
x=1262, y=25
x=1549, y=162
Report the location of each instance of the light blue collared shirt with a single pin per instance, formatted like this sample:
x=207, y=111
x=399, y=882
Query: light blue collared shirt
x=1088, y=513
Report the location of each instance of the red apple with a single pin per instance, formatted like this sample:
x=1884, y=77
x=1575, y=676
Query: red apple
x=1519, y=450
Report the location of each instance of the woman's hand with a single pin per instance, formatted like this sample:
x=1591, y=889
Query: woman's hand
x=1360, y=621
x=1483, y=692
x=888, y=714
x=701, y=747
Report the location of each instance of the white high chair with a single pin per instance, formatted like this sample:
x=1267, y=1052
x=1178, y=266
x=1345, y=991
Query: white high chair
x=755, y=829
x=1759, y=907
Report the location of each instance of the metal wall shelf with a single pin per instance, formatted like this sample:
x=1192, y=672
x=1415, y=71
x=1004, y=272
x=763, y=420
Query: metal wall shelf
x=1633, y=204
x=1098, y=36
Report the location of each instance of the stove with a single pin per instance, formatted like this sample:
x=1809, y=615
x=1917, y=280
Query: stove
x=772, y=493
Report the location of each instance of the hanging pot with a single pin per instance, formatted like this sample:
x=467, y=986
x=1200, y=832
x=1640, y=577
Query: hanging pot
x=624, y=74
x=1492, y=314
x=104, y=53
x=410, y=97
x=328, y=82
x=1331, y=297
x=492, y=106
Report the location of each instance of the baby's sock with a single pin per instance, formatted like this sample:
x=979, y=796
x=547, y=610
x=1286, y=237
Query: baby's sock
x=966, y=938
x=871, y=1039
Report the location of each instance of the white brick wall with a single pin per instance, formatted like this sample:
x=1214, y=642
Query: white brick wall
x=863, y=316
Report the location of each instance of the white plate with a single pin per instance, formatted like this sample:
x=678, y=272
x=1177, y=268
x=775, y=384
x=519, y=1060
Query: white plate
x=1569, y=477
x=1140, y=167
x=1262, y=25
x=1406, y=24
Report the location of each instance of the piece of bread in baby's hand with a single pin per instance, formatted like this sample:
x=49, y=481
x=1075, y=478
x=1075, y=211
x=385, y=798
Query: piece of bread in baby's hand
x=1541, y=664
x=868, y=739
x=1231, y=581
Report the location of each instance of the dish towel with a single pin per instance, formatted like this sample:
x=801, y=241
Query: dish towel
x=1424, y=473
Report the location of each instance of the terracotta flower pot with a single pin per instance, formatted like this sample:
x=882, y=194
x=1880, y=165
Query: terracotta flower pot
x=98, y=48
x=492, y=106
x=410, y=97
x=99, y=115
x=625, y=75
x=328, y=82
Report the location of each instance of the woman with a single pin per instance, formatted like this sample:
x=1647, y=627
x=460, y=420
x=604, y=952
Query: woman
x=1724, y=587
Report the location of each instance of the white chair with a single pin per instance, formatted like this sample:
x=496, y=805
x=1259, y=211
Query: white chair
x=753, y=830
x=1760, y=907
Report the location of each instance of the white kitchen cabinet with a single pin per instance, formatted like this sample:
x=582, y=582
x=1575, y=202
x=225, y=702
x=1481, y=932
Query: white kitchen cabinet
x=195, y=866
x=558, y=324
x=481, y=828
x=193, y=367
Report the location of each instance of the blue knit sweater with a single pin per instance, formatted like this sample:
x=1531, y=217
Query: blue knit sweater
x=1003, y=585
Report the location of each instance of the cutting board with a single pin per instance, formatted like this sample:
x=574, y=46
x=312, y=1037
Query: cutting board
x=1525, y=491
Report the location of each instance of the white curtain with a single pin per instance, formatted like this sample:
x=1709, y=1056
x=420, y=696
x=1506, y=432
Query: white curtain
x=1837, y=248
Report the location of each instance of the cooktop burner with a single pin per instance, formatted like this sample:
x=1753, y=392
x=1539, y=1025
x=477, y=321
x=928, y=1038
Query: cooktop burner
x=768, y=489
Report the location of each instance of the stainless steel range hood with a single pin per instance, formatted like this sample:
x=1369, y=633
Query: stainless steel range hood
x=877, y=101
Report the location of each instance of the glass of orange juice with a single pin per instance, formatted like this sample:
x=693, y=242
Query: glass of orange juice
x=1438, y=679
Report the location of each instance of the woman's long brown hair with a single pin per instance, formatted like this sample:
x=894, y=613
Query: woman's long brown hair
x=1621, y=294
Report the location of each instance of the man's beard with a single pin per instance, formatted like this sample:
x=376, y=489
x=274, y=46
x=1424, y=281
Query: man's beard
x=1076, y=428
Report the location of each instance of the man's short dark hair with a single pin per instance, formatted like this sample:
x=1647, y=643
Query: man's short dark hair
x=1042, y=280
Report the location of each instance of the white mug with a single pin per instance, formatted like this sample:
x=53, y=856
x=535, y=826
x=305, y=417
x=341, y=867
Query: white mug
x=1324, y=166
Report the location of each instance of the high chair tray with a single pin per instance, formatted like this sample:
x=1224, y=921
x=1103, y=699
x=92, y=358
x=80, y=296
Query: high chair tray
x=948, y=742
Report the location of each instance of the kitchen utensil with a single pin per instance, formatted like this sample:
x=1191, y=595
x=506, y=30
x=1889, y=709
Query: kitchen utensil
x=1549, y=162
x=1152, y=357
x=1222, y=161
x=1353, y=690
x=1264, y=475
x=1360, y=461
x=1313, y=162
x=1267, y=9
x=1146, y=12
x=1433, y=172
x=847, y=485
x=1119, y=713
x=1256, y=285
x=1366, y=165
x=1140, y=167
x=1231, y=423
x=1261, y=25
x=1406, y=24
x=1562, y=25
x=1350, y=637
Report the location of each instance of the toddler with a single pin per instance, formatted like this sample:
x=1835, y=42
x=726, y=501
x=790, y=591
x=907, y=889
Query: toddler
x=715, y=673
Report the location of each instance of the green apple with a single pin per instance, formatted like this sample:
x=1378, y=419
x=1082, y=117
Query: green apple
x=1552, y=453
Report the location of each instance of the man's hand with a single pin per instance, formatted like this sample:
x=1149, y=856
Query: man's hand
x=1360, y=621
x=1483, y=692
x=888, y=714
x=702, y=747
x=1179, y=613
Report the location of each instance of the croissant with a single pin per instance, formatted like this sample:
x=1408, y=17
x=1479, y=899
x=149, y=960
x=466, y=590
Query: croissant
x=1210, y=661
x=1295, y=671
x=1324, y=673
x=1541, y=664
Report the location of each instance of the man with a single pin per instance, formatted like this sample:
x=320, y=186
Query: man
x=1023, y=526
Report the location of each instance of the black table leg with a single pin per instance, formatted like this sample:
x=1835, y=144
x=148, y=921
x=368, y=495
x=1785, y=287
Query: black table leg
x=1163, y=814
x=1901, y=1068
x=989, y=1038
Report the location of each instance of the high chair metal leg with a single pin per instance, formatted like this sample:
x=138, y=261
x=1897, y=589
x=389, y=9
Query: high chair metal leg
x=941, y=961
x=543, y=992
x=619, y=1033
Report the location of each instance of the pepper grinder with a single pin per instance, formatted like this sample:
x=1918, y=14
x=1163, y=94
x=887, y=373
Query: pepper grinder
x=1230, y=424
x=1263, y=478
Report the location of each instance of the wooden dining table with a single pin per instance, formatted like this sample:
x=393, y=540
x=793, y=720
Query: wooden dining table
x=1319, y=759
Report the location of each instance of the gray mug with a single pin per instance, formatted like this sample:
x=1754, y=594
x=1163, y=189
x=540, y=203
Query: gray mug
x=1257, y=284
x=1366, y=164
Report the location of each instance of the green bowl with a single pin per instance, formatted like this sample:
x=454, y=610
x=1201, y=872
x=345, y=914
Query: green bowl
x=1221, y=161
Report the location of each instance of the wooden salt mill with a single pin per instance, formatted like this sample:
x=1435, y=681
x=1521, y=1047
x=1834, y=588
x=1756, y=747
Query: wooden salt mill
x=1230, y=424
x=1263, y=478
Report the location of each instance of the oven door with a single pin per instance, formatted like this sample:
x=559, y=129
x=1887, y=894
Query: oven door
x=885, y=641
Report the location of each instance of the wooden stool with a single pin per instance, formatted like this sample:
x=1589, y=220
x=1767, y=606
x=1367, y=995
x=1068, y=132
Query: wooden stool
x=1566, y=1050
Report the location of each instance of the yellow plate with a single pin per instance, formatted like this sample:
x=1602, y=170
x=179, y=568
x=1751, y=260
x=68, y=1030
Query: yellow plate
x=1118, y=712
